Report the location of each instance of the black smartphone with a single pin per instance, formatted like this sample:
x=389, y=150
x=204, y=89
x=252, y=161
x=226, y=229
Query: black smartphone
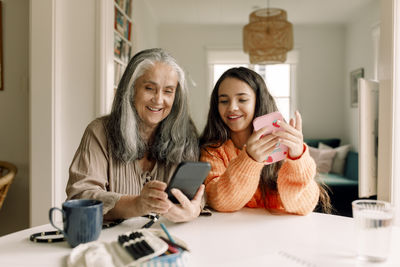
x=188, y=177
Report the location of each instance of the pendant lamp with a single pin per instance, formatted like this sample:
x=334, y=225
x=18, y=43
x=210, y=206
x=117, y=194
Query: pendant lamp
x=268, y=36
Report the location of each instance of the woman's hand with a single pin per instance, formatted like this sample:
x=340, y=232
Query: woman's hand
x=292, y=136
x=187, y=209
x=153, y=198
x=259, y=145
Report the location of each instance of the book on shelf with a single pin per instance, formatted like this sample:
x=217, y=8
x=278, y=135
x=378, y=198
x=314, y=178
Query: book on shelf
x=118, y=72
x=122, y=25
x=119, y=22
x=128, y=8
x=126, y=53
x=118, y=45
x=121, y=3
x=128, y=31
x=115, y=72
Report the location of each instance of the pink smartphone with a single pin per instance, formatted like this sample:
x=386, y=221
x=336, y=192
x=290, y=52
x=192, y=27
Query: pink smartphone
x=270, y=120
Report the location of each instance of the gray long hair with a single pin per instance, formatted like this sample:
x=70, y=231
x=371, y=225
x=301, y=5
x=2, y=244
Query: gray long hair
x=176, y=136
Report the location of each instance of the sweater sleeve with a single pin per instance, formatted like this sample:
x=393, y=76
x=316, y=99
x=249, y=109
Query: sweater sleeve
x=88, y=173
x=298, y=190
x=233, y=179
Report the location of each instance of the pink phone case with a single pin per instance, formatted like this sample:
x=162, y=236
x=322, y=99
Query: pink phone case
x=269, y=120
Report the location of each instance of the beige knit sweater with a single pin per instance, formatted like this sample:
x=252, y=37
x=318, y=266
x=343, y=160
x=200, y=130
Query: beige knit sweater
x=94, y=174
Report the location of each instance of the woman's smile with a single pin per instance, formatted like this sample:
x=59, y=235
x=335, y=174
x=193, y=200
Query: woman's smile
x=234, y=117
x=154, y=109
x=236, y=104
x=155, y=94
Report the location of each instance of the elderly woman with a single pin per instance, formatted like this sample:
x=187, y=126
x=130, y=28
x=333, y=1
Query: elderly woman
x=126, y=159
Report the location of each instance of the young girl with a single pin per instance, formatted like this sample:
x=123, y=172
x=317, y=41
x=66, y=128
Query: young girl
x=238, y=176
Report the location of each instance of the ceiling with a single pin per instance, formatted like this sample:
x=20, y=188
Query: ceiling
x=237, y=11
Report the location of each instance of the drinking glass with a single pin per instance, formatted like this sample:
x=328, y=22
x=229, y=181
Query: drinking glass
x=373, y=226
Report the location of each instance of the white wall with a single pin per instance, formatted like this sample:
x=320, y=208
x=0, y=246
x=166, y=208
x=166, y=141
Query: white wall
x=76, y=61
x=144, y=27
x=188, y=43
x=14, y=214
x=359, y=53
x=320, y=88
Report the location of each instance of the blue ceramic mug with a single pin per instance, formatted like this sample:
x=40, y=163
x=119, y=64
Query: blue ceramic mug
x=82, y=219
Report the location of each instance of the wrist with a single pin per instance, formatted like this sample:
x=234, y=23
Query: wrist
x=297, y=157
x=137, y=207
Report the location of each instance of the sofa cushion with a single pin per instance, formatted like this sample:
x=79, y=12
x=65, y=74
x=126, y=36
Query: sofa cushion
x=335, y=180
x=323, y=158
x=351, y=168
x=332, y=142
x=340, y=157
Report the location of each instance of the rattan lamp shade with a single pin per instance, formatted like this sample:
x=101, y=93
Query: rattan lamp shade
x=268, y=36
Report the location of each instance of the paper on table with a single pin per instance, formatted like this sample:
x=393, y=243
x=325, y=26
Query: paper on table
x=278, y=258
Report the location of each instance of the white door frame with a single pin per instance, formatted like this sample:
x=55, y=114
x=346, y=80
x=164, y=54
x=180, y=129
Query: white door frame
x=105, y=66
x=42, y=109
x=396, y=111
x=386, y=102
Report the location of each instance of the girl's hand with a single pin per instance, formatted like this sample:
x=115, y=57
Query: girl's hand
x=292, y=136
x=259, y=145
x=153, y=199
x=187, y=209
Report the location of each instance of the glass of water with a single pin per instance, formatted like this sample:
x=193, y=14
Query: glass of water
x=373, y=225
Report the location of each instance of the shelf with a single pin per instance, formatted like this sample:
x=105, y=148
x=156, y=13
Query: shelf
x=122, y=49
x=122, y=37
x=117, y=32
x=122, y=24
x=118, y=72
x=120, y=61
x=123, y=12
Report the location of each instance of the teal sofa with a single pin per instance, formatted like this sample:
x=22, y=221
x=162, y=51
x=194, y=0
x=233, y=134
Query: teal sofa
x=343, y=189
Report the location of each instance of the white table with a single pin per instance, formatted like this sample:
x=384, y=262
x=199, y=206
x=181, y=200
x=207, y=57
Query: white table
x=250, y=237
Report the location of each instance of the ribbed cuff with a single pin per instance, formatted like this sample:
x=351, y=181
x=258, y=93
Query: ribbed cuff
x=304, y=167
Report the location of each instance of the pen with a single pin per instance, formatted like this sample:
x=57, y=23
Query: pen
x=167, y=233
x=174, y=244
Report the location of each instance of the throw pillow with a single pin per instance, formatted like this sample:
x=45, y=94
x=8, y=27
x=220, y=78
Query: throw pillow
x=323, y=158
x=340, y=157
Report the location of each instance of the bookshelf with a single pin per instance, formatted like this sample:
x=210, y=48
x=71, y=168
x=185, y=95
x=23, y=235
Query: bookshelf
x=122, y=37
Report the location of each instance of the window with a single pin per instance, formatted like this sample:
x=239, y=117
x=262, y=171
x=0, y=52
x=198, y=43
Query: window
x=278, y=80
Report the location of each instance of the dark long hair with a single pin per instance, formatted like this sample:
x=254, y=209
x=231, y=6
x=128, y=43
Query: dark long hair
x=216, y=132
x=176, y=136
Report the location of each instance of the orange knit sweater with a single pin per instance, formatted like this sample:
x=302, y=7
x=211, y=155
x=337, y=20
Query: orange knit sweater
x=233, y=182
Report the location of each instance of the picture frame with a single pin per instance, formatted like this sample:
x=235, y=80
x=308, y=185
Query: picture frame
x=354, y=76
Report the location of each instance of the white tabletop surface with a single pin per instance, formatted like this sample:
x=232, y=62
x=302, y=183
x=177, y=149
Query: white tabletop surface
x=250, y=237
